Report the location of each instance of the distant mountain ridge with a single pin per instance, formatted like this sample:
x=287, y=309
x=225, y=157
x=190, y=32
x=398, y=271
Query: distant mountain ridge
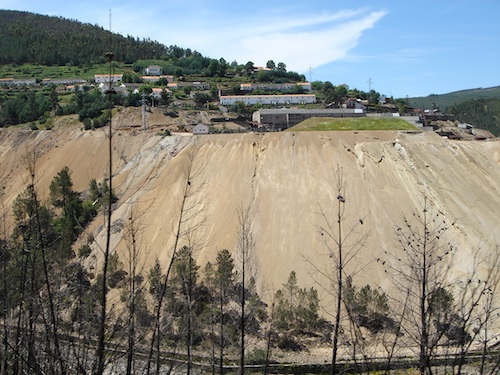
x=443, y=101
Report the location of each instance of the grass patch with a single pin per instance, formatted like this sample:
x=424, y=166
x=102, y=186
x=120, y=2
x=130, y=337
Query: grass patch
x=352, y=123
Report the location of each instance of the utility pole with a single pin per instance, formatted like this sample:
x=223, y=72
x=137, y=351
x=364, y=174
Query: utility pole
x=144, y=114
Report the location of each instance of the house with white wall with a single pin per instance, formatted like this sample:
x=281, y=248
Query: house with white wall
x=153, y=70
x=106, y=78
x=268, y=99
x=153, y=79
x=157, y=91
x=306, y=86
x=200, y=129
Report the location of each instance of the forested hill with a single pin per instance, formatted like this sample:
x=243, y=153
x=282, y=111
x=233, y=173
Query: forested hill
x=484, y=113
x=480, y=106
x=443, y=101
x=32, y=38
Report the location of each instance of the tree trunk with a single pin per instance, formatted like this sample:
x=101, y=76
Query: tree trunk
x=340, y=270
x=101, y=345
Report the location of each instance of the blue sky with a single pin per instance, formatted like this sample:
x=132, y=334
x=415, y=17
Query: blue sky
x=396, y=47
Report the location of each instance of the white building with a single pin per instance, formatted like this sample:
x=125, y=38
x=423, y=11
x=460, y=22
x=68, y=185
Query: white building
x=119, y=89
x=22, y=81
x=284, y=118
x=153, y=70
x=200, y=129
x=268, y=99
x=157, y=91
x=63, y=81
x=156, y=78
x=106, y=78
x=306, y=86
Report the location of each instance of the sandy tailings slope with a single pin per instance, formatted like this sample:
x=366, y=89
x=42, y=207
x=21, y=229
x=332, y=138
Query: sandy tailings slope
x=285, y=179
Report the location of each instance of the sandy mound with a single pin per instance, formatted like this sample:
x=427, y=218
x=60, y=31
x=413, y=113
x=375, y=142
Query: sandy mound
x=286, y=179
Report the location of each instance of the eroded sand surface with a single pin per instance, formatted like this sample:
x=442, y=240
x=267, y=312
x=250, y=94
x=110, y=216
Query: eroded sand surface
x=286, y=180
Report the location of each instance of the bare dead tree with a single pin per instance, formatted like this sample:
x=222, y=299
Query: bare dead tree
x=50, y=295
x=210, y=281
x=33, y=230
x=344, y=243
x=101, y=340
x=135, y=285
x=225, y=280
x=187, y=223
x=475, y=323
x=269, y=337
x=4, y=259
x=194, y=237
x=245, y=255
x=391, y=344
x=421, y=274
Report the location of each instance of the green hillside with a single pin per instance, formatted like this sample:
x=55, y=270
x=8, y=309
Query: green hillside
x=482, y=113
x=37, y=46
x=32, y=38
x=479, y=107
x=360, y=123
x=446, y=100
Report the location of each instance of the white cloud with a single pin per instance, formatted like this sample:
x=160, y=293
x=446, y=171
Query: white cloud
x=299, y=38
x=299, y=42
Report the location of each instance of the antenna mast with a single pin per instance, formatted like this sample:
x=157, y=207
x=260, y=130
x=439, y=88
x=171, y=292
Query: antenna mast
x=101, y=342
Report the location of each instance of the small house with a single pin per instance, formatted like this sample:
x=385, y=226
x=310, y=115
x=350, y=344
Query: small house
x=157, y=92
x=153, y=70
x=200, y=129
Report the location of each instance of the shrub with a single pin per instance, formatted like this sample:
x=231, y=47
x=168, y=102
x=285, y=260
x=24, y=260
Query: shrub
x=84, y=251
x=87, y=123
x=289, y=343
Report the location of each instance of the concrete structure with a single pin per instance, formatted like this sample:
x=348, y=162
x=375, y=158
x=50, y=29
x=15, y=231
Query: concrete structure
x=106, y=78
x=63, y=81
x=414, y=120
x=156, y=78
x=200, y=129
x=286, y=118
x=306, y=86
x=196, y=85
x=354, y=103
x=193, y=85
x=119, y=89
x=268, y=99
x=157, y=91
x=153, y=70
x=17, y=81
